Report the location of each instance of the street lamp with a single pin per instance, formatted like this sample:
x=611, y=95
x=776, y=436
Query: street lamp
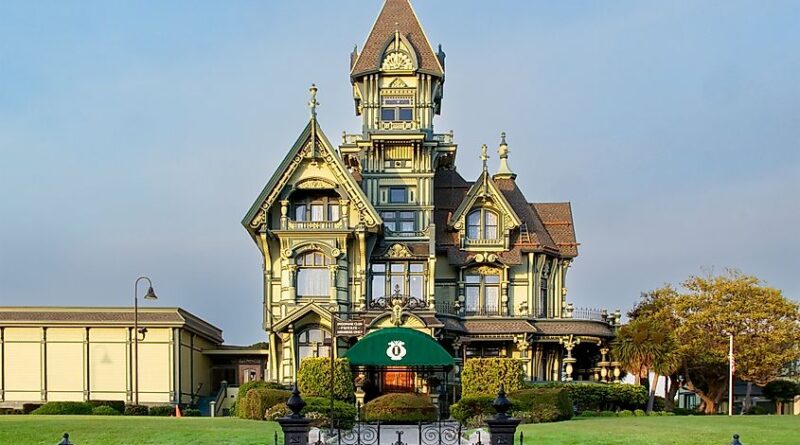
x=150, y=295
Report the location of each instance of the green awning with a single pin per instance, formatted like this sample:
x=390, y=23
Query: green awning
x=398, y=347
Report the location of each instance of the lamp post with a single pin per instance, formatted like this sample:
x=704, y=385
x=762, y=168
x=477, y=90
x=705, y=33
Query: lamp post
x=150, y=295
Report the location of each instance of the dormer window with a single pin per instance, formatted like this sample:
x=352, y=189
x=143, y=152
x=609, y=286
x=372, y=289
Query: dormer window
x=316, y=208
x=482, y=224
x=397, y=109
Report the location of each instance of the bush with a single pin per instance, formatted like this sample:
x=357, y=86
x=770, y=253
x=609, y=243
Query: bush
x=684, y=412
x=607, y=414
x=400, y=407
x=191, y=412
x=588, y=413
x=471, y=407
x=255, y=403
x=118, y=405
x=756, y=410
x=28, y=408
x=603, y=397
x=625, y=413
x=539, y=401
x=639, y=413
x=64, y=408
x=162, y=410
x=483, y=376
x=105, y=410
x=318, y=410
x=667, y=413
x=314, y=378
x=135, y=410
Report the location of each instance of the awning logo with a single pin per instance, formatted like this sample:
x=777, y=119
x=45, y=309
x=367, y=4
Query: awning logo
x=396, y=350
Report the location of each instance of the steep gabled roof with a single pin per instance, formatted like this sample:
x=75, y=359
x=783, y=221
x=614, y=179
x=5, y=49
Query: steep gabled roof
x=557, y=219
x=311, y=139
x=396, y=15
x=536, y=230
x=485, y=187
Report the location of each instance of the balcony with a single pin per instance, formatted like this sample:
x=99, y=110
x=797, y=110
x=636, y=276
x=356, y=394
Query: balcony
x=315, y=225
x=388, y=233
x=487, y=310
x=584, y=313
x=446, y=138
x=478, y=242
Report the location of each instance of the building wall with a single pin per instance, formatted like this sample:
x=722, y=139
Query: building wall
x=39, y=364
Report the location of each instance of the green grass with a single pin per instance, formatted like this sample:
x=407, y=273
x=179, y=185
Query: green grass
x=699, y=430
x=677, y=430
x=100, y=430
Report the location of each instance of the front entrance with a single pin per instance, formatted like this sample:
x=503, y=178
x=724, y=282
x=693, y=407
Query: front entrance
x=397, y=379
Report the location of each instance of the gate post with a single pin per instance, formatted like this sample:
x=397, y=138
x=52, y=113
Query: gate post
x=295, y=426
x=502, y=427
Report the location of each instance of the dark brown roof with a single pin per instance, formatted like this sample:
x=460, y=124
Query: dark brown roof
x=537, y=233
x=557, y=219
x=396, y=15
x=94, y=316
x=449, y=189
x=499, y=326
x=576, y=327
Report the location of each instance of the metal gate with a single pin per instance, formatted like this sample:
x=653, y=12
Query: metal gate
x=377, y=433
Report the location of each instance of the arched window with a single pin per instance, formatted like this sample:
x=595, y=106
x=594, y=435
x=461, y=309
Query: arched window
x=313, y=342
x=482, y=292
x=313, y=276
x=482, y=224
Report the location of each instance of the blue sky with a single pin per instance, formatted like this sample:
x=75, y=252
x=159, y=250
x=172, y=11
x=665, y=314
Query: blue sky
x=135, y=135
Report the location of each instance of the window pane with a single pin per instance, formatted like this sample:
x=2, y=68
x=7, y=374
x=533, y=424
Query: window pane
x=490, y=233
x=398, y=267
x=387, y=114
x=317, y=212
x=305, y=351
x=315, y=335
x=333, y=212
x=491, y=296
x=397, y=195
x=324, y=351
x=491, y=219
x=398, y=282
x=407, y=215
x=300, y=213
x=416, y=267
x=378, y=267
x=387, y=215
x=406, y=226
x=378, y=287
x=416, y=287
x=473, y=232
x=390, y=225
x=472, y=279
x=474, y=218
x=492, y=279
x=313, y=282
x=471, y=299
x=406, y=114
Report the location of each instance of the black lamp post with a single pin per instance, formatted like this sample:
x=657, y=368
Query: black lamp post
x=150, y=295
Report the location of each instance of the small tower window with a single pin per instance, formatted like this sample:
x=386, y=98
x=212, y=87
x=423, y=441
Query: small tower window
x=397, y=109
x=482, y=224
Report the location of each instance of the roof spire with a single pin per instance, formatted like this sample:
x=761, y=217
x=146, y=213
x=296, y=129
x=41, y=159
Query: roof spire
x=313, y=103
x=504, y=172
x=484, y=156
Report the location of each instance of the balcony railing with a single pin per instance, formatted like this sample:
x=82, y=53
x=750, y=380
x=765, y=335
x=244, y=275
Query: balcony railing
x=447, y=138
x=479, y=242
x=315, y=225
x=486, y=310
x=584, y=313
x=411, y=234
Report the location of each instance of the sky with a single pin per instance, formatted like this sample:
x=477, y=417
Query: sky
x=135, y=135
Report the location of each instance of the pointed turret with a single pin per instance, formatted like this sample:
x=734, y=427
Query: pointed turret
x=503, y=172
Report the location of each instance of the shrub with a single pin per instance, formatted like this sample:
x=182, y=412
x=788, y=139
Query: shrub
x=28, y=408
x=607, y=414
x=64, y=408
x=538, y=402
x=400, y=407
x=639, y=413
x=589, y=413
x=318, y=410
x=255, y=403
x=135, y=410
x=625, y=413
x=483, y=376
x=627, y=397
x=756, y=410
x=162, y=410
x=105, y=410
x=256, y=384
x=191, y=412
x=684, y=412
x=600, y=396
x=314, y=378
x=277, y=411
x=118, y=405
x=472, y=406
x=667, y=413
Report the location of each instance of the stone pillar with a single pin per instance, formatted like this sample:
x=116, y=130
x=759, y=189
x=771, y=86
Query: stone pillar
x=295, y=426
x=502, y=427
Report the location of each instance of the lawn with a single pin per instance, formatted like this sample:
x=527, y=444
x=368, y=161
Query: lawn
x=102, y=430
x=96, y=430
x=677, y=430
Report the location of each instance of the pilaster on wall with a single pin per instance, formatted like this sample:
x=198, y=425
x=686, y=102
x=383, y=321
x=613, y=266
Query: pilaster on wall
x=177, y=368
x=86, y=365
x=43, y=361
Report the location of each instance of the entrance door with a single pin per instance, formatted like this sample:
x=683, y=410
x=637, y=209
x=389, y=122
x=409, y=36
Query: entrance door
x=397, y=379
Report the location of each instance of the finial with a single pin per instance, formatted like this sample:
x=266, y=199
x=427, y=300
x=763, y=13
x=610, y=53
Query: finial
x=504, y=172
x=295, y=404
x=501, y=404
x=484, y=156
x=313, y=103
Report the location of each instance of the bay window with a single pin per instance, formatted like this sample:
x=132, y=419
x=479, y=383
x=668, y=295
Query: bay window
x=405, y=278
x=313, y=275
x=482, y=293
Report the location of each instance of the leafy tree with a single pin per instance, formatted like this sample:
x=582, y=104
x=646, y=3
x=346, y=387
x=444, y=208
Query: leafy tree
x=781, y=391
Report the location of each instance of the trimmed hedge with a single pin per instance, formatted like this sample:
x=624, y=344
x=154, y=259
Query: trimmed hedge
x=64, y=408
x=257, y=384
x=602, y=396
x=161, y=411
x=28, y=408
x=318, y=410
x=400, y=407
x=105, y=410
x=191, y=412
x=314, y=378
x=483, y=376
x=135, y=410
x=544, y=404
x=471, y=407
x=118, y=405
x=255, y=403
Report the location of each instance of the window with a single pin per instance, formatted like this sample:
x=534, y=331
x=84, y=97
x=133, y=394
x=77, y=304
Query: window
x=313, y=342
x=316, y=208
x=313, y=276
x=542, y=309
x=482, y=224
x=398, y=195
x=397, y=109
x=407, y=278
x=482, y=293
x=399, y=221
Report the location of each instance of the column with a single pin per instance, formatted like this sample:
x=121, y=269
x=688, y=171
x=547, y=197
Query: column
x=2, y=365
x=332, y=269
x=86, y=364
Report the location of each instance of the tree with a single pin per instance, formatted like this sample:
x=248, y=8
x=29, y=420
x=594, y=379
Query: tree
x=781, y=391
x=643, y=347
x=765, y=326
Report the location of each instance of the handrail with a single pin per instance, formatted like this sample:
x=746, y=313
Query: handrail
x=223, y=392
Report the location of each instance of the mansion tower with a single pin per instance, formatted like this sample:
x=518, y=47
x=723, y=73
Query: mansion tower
x=384, y=229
